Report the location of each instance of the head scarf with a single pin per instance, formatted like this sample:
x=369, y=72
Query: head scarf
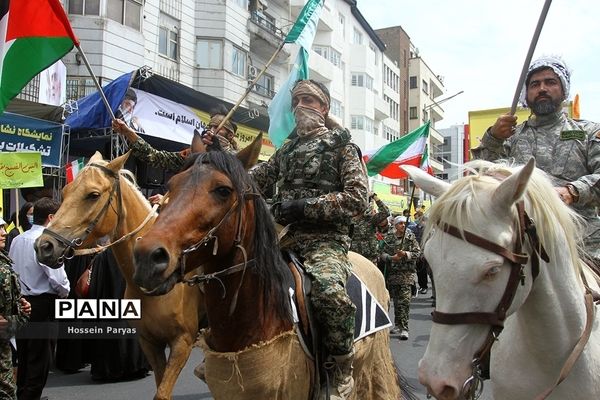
x=558, y=66
x=399, y=219
x=307, y=87
x=216, y=119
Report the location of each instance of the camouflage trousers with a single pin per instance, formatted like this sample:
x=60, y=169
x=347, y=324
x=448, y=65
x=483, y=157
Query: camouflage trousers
x=401, y=296
x=8, y=386
x=327, y=264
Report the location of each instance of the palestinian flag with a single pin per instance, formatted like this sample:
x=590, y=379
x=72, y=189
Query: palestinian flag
x=73, y=168
x=410, y=149
x=34, y=34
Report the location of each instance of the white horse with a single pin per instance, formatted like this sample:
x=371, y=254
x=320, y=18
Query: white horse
x=547, y=316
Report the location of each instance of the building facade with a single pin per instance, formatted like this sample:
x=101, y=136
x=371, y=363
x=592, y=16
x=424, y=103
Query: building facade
x=451, y=153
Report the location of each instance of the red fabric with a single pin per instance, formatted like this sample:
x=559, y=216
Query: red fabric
x=38, y=18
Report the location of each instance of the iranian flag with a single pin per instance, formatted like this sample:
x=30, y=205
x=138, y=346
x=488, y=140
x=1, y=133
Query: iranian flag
x=34, y=34
x=73, y=168
x=425, y=165
x=410, y=149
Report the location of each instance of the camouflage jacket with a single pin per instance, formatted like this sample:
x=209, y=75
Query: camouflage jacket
x=10, y=293
x=325, y=170
x=566, y=149
x=391, y=245
x=364, y=238
x=169, y=160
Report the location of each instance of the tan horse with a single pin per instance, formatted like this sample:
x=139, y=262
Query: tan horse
x=101, y=201
x=216, y=218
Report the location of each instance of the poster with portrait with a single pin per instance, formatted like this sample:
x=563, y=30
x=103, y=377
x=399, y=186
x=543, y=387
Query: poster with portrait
x=53, y=84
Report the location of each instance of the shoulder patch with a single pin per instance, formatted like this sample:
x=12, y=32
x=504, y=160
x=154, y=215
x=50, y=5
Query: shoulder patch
x=572, y=135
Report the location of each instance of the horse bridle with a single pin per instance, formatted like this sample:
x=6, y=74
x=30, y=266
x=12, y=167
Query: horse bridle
x=204, y=241
x=473, y=386
x=72, y=245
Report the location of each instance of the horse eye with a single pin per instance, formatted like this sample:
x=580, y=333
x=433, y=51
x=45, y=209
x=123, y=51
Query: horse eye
x=93, y=195
x=490, y=273
x=223, y=191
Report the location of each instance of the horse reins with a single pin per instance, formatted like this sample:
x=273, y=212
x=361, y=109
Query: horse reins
x=473, y=386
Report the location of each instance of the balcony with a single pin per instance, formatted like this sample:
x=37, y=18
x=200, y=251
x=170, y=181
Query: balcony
x=265, y=36
x=382, y=109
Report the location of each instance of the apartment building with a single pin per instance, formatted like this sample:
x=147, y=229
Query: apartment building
x=451, y=153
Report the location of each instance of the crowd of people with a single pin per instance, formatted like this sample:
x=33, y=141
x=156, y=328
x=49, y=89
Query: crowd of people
x=322, y=196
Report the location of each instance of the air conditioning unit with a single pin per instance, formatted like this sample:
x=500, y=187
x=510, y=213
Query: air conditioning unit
x=252, y=71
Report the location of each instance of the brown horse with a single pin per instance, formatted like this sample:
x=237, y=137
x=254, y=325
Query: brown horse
x=101, y=201
x=216, y=218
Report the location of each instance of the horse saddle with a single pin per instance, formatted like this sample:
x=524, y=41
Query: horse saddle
x=370, y=315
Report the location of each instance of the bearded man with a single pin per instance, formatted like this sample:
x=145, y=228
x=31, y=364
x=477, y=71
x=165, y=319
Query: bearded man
x=321, y=184
x=566, y=149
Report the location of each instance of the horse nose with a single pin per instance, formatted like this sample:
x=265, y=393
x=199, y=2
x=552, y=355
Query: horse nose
x=439, y=388
x=149, y=264
x=44, y=250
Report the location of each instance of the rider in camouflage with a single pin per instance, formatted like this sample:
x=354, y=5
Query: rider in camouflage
x=321, y=184
x=566, y=149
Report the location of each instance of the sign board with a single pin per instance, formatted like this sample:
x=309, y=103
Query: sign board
x=20, y=170
x=20, y=133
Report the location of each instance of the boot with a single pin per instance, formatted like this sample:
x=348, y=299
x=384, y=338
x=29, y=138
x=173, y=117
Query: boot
x=342, y=381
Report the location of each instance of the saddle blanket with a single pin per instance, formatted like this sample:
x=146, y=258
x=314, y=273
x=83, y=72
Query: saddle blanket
x=370, y=315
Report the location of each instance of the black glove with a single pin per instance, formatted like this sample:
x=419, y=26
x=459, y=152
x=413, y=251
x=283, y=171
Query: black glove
x=287, y=212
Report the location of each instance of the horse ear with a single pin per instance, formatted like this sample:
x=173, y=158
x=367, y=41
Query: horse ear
x=118, y=163
x=512, y=188
x=96, y=157
x=249, y=154
x=197, y=145
x=430, y=184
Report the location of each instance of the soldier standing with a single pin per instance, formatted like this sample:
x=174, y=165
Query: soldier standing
x=321, y=185
x=14, y=312
x=566, y=149
x=364, y=237
x=400, y=251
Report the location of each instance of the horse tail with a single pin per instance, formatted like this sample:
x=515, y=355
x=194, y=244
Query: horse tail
x=408, y=390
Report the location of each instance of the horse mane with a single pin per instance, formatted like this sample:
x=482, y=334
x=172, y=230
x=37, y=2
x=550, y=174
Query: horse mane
x=270, y=268
x=552, y=217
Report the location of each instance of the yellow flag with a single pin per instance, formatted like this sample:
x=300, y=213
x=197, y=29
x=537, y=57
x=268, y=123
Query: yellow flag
x=576, y=112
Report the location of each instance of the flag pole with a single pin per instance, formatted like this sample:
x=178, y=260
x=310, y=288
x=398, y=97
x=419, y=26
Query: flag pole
x=410, y=201
x=534, y=40
x=89, y=67
x=250, y=86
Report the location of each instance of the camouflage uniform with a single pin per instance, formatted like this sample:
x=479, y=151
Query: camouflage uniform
x=169, y=160
x=566, y=149
x=400, y=273
x=10, y=293
x=364, y=237
x=325, y=170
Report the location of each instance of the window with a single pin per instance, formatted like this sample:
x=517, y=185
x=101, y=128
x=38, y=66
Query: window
x=362, y=80
x=425, y=116
x=425, y=87
x=390, y=134
x=413, y=113
x=126, y=12
x=357, y=122
x=394, y=108
x=208, y=53
x=84, y=7
x=374, y=51
x=337, y=109
x=238, y=61
x=330, y=54
x=342, y=20
x=242, y=3
x=413, y=82
x=167, y=42
x=265, y=85
x=391, y=79
x=357, y=37
x=362, y=123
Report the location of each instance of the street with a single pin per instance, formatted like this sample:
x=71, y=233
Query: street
x=80, y=385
